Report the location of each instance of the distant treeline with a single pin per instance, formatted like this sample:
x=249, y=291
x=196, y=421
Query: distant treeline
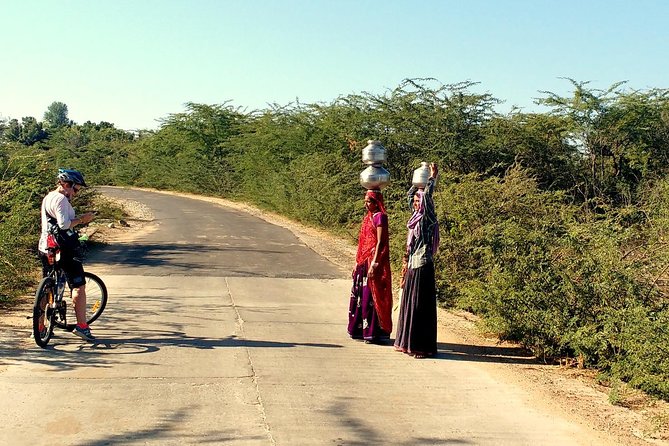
x=554, y=225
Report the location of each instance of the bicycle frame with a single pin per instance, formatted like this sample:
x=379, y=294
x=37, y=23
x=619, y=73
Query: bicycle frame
x=58, y=282
x=51, y=309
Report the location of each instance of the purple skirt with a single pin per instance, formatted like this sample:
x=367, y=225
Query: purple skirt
x=417, y=322
x=363, y=323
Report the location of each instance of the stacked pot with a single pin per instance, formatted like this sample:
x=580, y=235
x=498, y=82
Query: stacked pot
x=374, y=177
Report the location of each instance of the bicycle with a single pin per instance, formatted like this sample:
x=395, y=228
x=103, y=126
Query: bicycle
x=51, y=309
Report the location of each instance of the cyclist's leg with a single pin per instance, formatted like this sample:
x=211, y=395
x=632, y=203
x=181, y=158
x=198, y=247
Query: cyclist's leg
x=74, y=271
x=46, y=268
x=79, y=299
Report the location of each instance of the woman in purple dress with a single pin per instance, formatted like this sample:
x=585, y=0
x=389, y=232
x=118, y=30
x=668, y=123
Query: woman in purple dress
x=417, y=322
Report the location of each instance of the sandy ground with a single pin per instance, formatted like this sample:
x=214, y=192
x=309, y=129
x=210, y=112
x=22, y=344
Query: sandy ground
x=566, y=391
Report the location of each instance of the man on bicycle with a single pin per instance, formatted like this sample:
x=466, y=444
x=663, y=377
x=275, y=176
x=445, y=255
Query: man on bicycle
x=58, y=215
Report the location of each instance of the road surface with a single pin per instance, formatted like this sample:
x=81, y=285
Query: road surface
x=224, y=329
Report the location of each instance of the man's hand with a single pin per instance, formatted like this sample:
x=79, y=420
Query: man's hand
x=87, y=217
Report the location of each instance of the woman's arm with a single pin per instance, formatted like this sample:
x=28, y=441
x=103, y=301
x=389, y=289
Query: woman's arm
x=381, y=231
x=434, y=173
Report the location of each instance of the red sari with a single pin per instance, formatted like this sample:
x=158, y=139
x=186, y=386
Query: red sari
x=373, y=321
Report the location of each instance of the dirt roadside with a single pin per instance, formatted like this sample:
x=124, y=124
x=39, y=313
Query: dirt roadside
x=572, y=393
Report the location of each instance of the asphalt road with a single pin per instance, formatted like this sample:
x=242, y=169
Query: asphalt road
x=198, y=238
x=224, y=329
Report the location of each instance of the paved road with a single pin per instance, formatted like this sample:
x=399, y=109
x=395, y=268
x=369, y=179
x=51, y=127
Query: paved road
x=198, y=238
x=223, y=329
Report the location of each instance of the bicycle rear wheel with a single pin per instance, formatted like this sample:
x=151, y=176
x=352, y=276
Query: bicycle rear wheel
x=44, y=316
x=96, y=301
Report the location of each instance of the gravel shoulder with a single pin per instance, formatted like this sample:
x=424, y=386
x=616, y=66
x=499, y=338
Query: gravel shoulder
x=563, y=390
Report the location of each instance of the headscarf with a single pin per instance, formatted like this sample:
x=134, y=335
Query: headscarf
x=415, y=225
x=367, y=236
x=377, y=196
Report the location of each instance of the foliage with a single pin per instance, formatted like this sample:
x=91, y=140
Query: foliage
x=27, y=173
x=20, y=190
x=56, y=115
x=27, y=132
x=624, y=138
x=189, y=153
x=560, y=281
x=553, y=225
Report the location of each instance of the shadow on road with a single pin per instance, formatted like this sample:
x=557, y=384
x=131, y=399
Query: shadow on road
x=171, y=429
x=182, y=340
x=356, y=432
x=205, y=259
x=160, y=254
x=479, y=353
x=67, y=352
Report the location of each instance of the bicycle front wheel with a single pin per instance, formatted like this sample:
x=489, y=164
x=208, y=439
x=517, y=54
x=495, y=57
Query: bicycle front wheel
x=44, y=315
x=96, y=301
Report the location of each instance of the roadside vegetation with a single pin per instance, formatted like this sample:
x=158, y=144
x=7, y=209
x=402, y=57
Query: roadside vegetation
x=554, y=225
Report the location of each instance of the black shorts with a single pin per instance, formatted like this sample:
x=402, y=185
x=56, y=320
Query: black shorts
x=74, y=269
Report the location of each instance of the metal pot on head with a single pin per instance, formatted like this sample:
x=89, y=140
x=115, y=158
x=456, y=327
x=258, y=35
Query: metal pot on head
x=421, y=175
x=374, y=177
x=374, y=153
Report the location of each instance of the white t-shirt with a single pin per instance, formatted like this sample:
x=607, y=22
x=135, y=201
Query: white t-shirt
x=57, y=206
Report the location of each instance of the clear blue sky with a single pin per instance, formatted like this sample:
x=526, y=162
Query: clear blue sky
x=132, y=62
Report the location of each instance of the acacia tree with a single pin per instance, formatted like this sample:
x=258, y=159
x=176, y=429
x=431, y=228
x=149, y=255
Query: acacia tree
x=207, y=124
x=203, y=133
x=638, y=135
x=586, y=111
x=424, y=119
x=623, y=137
x=537, y=143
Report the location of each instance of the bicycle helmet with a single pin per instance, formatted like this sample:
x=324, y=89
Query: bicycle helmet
x=71, y=176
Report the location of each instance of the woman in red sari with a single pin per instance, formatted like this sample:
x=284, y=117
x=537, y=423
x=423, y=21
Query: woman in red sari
x=370, y=309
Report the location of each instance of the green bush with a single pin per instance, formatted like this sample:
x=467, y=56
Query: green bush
x=20, y=195
x=556, y=278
